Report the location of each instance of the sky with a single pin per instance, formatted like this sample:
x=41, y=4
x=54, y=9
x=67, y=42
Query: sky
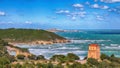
x=60, y=14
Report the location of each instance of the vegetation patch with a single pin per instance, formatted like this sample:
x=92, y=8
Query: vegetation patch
x=27, y=35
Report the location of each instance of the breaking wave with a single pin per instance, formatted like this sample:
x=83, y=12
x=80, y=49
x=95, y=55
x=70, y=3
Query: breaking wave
x=88, y=41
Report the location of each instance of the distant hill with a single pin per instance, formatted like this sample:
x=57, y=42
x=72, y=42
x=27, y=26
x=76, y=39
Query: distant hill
x=27, y=35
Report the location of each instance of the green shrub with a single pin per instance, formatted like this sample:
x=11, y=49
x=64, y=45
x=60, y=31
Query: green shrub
x=40, y=57
x=58, y=66
x=39, y=65
x=21, y=57
x=112, y=55
x=72, y=57
x=104, y=56
x=59, y=58
x=4, y=61
x=17, y=65
x=11, y=58
x=32, y=57
x=75, y=65
x=49, y=65
x=92, y=61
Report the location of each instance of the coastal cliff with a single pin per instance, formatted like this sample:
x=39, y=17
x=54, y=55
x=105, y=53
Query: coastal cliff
x=31, y=36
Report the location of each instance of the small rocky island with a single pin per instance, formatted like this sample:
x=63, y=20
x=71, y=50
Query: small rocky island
x=31, y=36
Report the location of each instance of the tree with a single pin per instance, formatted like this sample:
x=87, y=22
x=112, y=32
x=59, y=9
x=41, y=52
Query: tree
x=92, y=61
x=28, y=65
x=58, y=66
x=50, y=65
x=17, y=65
x=39, y=65
x=112, y=55
x=32, y=57
x=104, y=56
x=114, y=59
x=11, y=58
x=72, y=57
x=21, y=57
x=4, y=61
x=75, y=65
x=40, y=57
x=59, y=58
x=103, y=64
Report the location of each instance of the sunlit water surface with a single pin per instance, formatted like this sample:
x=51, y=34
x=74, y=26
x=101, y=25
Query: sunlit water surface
x=109, y=42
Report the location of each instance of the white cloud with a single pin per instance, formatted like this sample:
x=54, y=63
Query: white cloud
x=82, y=14
x=79, y=14
x=2, y=13
x=116, y=10
x=63, y=11
x=81, y=8
x=99, y=6
x=99, y=18
x=115, y=0
x=104, y=7
x=75, y=15
x=73, y=18
x=28, y=22
x=78, y=5
x=95, y=6
x=110, y=1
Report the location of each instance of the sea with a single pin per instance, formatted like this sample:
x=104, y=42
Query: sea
x=108, y=40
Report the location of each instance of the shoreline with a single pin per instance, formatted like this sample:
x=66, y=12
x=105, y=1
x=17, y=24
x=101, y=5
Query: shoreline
x=40, y=42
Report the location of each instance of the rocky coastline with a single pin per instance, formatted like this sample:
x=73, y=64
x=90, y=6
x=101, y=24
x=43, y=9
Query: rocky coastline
x=41, y=42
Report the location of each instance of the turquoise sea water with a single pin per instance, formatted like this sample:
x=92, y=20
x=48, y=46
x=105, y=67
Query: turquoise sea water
x=109, y=41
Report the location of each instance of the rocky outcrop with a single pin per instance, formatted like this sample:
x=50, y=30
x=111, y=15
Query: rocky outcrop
x=17, y=51
x=41, y=42
x=48, y=42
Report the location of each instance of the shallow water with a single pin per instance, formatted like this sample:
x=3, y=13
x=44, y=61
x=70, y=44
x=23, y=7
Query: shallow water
x=109, y=43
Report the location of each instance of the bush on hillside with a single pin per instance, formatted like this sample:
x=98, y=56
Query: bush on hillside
x=40, y=57
x=72, y=57
x=21, y=57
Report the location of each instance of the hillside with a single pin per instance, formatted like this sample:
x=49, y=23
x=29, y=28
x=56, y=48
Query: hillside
x=28, y=35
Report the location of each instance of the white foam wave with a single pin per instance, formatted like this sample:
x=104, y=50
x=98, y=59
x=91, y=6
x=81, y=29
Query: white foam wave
x=82, y=57
x=102, y=44
x=111, y=47
x=49, y=52
x=87, y=41
x=75, y=48
x=114, y=45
